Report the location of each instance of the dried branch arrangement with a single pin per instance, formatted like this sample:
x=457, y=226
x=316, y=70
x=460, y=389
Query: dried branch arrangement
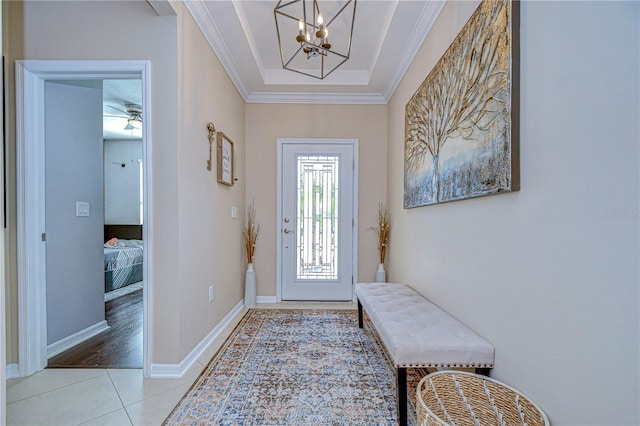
x=250, y=233
x=383, y=230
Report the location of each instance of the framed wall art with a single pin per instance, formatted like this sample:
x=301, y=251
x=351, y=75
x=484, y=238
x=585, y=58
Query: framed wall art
x=461, y=125
x=224, y=160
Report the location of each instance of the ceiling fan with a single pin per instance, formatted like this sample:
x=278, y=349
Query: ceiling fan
x=133, y=115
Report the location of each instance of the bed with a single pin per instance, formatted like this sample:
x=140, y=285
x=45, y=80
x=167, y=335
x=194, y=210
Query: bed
x=122, y=264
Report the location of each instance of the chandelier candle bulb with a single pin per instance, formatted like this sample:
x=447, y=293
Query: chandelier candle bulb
x=325, y=43
x=300, y=38
x=322, y=32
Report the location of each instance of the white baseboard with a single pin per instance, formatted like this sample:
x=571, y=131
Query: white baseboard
x=76, y=338
x=174, y=371
x=12, y=371
x=266, y=299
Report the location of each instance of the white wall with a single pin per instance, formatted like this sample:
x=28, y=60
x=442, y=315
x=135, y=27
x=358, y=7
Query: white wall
x=74, y=246
x=3, y=346
x=122, y=184
x=548, y=274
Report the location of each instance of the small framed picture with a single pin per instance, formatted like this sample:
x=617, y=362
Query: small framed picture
x=225, y=159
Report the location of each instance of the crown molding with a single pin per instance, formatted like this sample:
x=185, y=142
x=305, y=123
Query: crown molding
x=162, y=7
x=383, y=31
x=246, y=28
x=316, y=98
x=339, y=77
x=205, y=22
x=418, y=35
x=201, y=15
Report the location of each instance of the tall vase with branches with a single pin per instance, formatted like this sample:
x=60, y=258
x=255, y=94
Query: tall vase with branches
x=250, y=235
x=383, y=231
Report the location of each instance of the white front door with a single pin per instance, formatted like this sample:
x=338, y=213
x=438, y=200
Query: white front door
x=317, y=220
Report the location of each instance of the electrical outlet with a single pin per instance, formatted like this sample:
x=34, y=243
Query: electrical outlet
x=210, y=293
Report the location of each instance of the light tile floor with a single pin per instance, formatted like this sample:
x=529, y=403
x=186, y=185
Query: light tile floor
x=113, y=397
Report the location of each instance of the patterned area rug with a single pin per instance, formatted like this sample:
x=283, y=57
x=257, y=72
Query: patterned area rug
x=295, y=367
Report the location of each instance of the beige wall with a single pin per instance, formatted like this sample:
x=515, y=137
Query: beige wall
x=195, y=244
x=265, y=123
x=548, y=274
x=86, y=30
x=210, y=242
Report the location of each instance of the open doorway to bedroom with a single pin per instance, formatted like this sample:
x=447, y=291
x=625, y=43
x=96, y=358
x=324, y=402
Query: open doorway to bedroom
x=108, y=149
x=80, y=109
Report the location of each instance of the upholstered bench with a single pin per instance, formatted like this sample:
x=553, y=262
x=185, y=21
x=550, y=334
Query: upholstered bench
x=416, y=333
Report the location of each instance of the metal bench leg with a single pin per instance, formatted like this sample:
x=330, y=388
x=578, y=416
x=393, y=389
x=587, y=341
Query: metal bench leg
x=401, y=387
x=483, y=371
x=360, y=324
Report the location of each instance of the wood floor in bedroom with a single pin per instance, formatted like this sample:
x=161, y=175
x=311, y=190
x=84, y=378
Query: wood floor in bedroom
x=118, y=347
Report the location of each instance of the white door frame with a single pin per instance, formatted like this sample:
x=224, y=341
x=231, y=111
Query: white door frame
x=32, y=313
x=3, y=326
x=354, y=228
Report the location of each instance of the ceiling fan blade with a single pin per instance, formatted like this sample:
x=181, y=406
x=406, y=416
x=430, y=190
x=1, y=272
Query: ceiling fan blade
x=118, y=109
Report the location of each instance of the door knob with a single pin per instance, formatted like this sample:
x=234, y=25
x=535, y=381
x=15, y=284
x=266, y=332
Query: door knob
x=286, y=231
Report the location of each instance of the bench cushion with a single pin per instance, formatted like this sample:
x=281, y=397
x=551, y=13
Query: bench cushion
x=417, y=333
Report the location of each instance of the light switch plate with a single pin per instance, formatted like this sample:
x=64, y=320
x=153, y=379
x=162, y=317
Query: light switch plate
x=234, y=212
x=82, y=209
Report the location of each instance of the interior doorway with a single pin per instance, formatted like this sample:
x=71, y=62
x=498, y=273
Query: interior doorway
x=31, y=79
x=94, y=258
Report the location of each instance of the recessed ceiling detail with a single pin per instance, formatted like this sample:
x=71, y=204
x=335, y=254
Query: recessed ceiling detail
x=303, y=31
x=386, y=36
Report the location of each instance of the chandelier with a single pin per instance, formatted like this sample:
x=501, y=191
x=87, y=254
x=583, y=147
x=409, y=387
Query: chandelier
x=303, y=35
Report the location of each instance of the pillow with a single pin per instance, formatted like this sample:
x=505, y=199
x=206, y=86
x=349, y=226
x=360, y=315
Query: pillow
x=111, y=243
x=130, y=243
x=125, y=243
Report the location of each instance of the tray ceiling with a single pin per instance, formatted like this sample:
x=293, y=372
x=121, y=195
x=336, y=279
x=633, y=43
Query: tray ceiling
x=386, y=36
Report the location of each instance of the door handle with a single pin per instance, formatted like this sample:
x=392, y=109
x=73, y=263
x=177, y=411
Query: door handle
x=286, y=231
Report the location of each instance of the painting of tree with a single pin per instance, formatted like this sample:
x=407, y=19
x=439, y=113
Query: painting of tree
x=459, y=138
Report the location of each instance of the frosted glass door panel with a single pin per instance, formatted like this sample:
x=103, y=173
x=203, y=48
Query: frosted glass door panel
x=317, y=224
x=317, y=216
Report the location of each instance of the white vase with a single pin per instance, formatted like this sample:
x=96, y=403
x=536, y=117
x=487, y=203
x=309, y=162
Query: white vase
x=381, y=275
x=250, y=287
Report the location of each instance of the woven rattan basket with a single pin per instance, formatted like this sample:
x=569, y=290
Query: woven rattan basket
x=460, y=398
